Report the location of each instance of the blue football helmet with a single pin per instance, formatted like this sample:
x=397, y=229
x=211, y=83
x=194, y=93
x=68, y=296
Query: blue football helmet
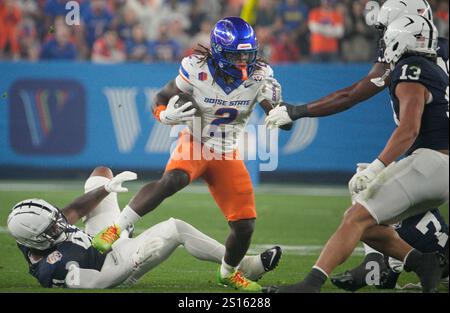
x=234, y=47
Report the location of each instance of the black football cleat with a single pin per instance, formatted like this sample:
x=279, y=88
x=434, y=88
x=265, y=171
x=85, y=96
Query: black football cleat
x=301, y=287
x=270, y=258
x=347, y=281
x=388, y=280
x=430, y=271
x=355, y=278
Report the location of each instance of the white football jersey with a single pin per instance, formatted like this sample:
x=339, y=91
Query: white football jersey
x=224, y=111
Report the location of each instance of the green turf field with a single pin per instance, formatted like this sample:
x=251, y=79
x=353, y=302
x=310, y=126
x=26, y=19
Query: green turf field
x=299, y=219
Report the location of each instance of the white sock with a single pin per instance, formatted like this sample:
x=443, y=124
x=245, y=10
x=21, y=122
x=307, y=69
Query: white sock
x=252, y=267
x=126, y=218
x=321, y=270
x=368, y=250
x=226, y=270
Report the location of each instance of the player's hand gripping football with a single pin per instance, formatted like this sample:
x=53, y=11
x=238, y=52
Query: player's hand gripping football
x=115, y=184
x=365, y=174
x=173, y=115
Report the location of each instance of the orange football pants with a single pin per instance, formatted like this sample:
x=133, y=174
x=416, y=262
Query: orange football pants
x=226, y=176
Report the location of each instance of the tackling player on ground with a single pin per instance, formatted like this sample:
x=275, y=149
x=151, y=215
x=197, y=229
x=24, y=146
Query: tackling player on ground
x=226, y=82
x=388, y=191
x=426, y=231
x=60, y=254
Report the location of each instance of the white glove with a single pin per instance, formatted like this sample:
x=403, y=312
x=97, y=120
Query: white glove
x=365, y=174
x=270, y=91
x=278, y=117
x=173, y=116
x=115, y=184
x=359, y=168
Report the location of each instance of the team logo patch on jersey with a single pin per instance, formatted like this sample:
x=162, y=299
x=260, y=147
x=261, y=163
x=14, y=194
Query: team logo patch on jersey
x=54, y=257
x=202, y=76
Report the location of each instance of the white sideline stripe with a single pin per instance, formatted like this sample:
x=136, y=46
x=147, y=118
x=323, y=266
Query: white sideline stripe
x=324, y=191
x=296, y=250
x=39, y=187
x=303, y=250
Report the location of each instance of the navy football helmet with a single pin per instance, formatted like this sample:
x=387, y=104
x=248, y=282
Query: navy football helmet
x=234, y=47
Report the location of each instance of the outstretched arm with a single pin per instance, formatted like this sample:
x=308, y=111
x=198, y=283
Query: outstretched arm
x=335, y=102
x=84, y=204
x=342, y=99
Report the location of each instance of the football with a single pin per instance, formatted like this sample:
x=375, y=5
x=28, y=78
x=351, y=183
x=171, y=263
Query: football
x=185, y=97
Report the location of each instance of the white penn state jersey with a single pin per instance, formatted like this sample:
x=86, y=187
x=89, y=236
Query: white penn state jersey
x=224, y=111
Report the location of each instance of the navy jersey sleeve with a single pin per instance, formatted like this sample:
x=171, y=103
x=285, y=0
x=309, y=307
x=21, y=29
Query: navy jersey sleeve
x=413, y=70
x=51, y=271
x=443, y=48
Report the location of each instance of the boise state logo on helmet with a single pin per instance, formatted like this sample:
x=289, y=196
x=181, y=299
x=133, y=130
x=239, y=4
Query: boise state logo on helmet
x=224, y=33
x=230, y=38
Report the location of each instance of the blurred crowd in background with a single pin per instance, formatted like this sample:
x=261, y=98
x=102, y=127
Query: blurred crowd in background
x=166, y=30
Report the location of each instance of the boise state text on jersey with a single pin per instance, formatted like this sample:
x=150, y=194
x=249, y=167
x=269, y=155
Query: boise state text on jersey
x=224, y=107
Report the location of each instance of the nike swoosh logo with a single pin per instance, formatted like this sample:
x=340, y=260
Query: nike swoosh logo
x=274, y=253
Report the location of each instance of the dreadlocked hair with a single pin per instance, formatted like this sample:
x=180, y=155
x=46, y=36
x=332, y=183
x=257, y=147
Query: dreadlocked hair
x=205, y=54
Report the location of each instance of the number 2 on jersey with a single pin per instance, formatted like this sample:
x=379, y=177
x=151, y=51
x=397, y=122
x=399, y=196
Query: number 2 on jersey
x=227, y=116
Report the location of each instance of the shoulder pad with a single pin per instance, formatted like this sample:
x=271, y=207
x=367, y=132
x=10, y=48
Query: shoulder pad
x=189, y=66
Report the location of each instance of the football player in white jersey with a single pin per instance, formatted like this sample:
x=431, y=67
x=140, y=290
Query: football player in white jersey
x=388, y=191
x=226, y=82
x=60, y=254
x=377, y=79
